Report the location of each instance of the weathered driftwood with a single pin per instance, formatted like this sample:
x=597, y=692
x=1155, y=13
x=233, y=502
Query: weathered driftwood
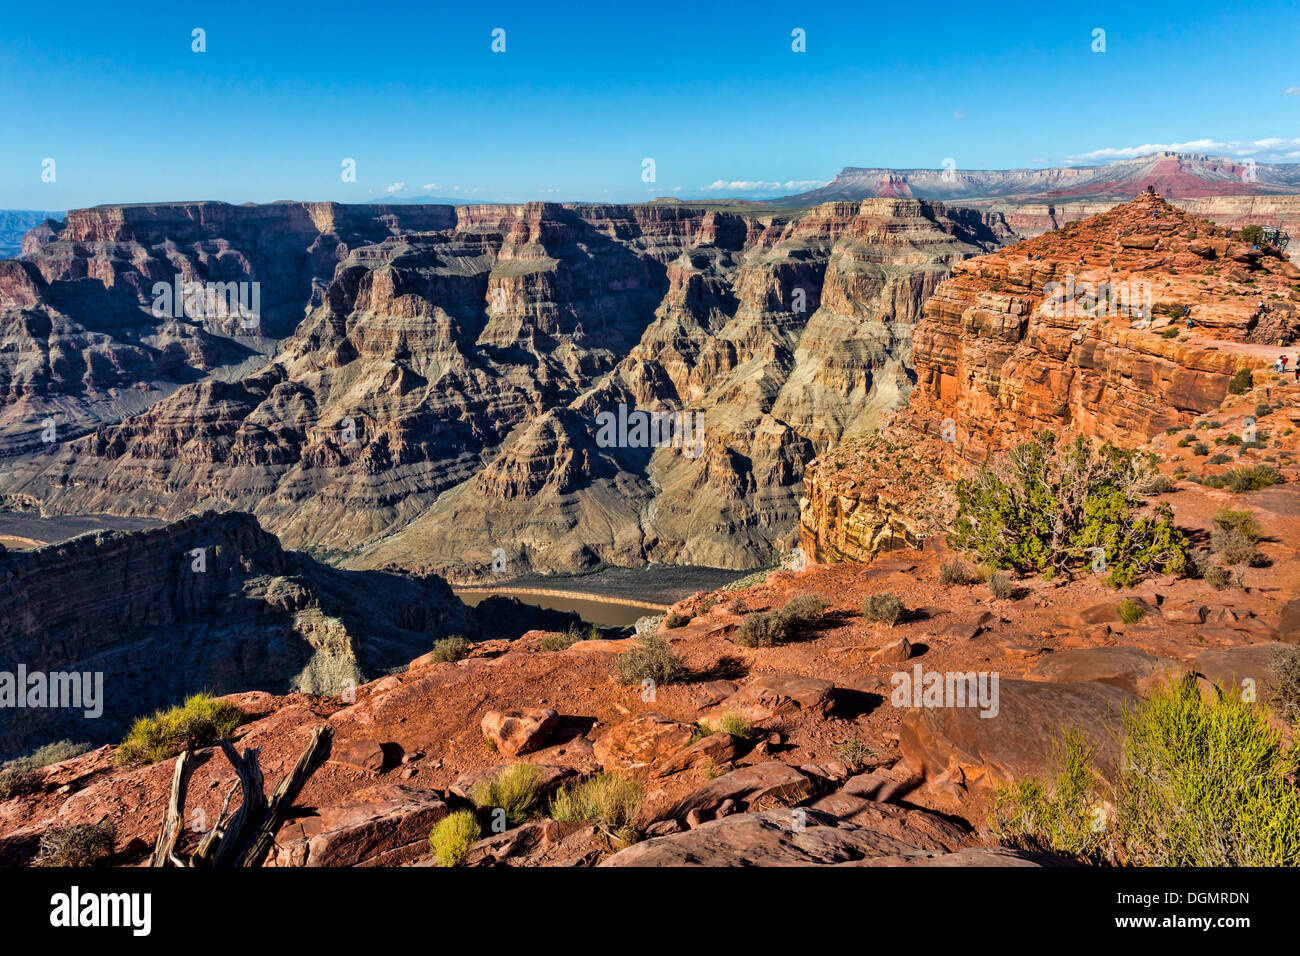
x=245, y=837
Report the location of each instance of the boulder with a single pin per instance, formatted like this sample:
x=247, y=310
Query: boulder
x=381, y=825
x=518, y=731
x=716, y=748
x=1017, y=742
x=365, y=755
x=1288, y=628
x=895, y=652
x=771, y=695
x=758, y=787
x=642, y=741
x=1128, y=668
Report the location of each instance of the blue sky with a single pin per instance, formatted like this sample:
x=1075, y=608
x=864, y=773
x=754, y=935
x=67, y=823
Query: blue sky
x=585, y=92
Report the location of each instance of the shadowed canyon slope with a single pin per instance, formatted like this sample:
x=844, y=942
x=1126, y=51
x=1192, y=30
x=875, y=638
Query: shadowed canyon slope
x=441, y=398
x=213, y=602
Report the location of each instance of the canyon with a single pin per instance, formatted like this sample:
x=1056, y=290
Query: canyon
x=439, y=399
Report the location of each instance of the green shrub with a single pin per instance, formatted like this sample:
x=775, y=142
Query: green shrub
x=1205, y=568
x=1041, y=508
x=1169, y=333
x=1200, y=448
x=1219, y=459
x=80, y=845
x=453, y=836
x=1130, y=611
x=883, y=608
x=956, y=571
x=1204, y=783
x=1185, y=441
x=1235, y=536
x=736, y=725
x=675, y=620
x=200, y=722
x=610, y=799
x=654, y=660
x=16, y=779
x=1262, y=409
x=1157, y=485
x=1001, y=585
x=1241, y=383
x=1061, y=818
x=450, y=649
x=1251, y=478
x=517, y=790
x=802, y=611
x=1285, y=670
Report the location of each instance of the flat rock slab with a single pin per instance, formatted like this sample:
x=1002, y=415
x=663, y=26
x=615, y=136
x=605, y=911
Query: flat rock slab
x=771, y=695
x=1229, y=667
x=716, y=748
x=1016, y=743
x=1288, y=629
x=911, y=825
x=365, y=755
x=747, y=787
x=380, y=825
x=1128, y=668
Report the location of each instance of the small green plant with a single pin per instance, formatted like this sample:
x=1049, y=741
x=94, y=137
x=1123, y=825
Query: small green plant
x=611, y=800
x=768, y=629
x=735, y=724
x=1262, y=409
x=1157, y=485
x=517, y=790
x=200, y=722
x=80, y=845
x=653, y=660
x=1200, y=448
x=883, y=607
x=675, y=620
x=450, y=649
x=1169, y=333
x=18, y=776
x=956, y=571
x=1235, y=537
x=453, y=836
x=1219, y=459
x=1130, y=611
x=856, y=755
x=1057, y=818
x=1241, y=382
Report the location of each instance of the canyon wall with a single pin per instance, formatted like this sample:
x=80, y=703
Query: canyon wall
x=443, y=397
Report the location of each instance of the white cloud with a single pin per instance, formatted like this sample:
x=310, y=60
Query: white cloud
x=396, y=187
x=758, y=186
x=429, y=187
x=1293, y=91
x=1267, y=149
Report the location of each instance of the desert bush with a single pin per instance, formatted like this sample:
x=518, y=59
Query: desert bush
x=80, y=845
x=200, y=722
x=610, y=799
x=768, y=629
x=1156, y=485
x=517, y=790
x=1262, y=409
x=1042, y=508
x=883, y=608
x=1056, y=818
x=675, y=620
x=1241, y=382
x=560, y=642
x=1231, y=439
x=449, y=649
x=1001, y=585
x=453, y=836
x=1251, y=478
x=1130, y=611
x=1213, y=575
x=1285, y=670
x=18, y=776
x=956, y=571
x=1205, y=783
x=654, y=660
x=1200, y=448
x=1235, y=536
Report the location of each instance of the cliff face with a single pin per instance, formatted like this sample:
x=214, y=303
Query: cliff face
x=212, y=602
x=445, y=397
x=80, y=340
x=1079, y=331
